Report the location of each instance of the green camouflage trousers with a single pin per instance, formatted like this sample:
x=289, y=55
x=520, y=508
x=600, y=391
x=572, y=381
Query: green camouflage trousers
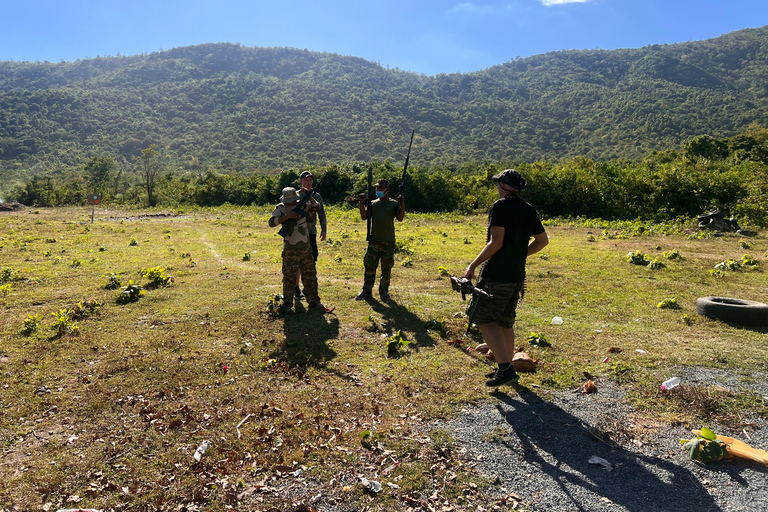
x=295, y=259
x=376, y=252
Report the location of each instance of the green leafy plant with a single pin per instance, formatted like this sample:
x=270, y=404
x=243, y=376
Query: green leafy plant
x=396, y=342
x=275, y=305
x=744, y=244
x=83, y=309
x=133, y=241
x=443, y=272
x=130, y=293
x=6, y=274
x=63, y=323
x=538, y=340
x=111, y=281
x=338, y=258
x=247, y=256
x=435, y=325
x=403, y=247
x=672, y=255
x=638, y=258
x=749, y=261
x=76, y=263
x=5, y=289
x=406, y=262
x=31, y=324
x=669, y=304
x=728, y=265
x=157, y=277
x=705, y=447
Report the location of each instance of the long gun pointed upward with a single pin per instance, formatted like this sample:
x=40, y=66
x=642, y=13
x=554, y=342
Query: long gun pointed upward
x=405, y=168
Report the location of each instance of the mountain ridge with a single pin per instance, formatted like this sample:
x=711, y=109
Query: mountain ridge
x=239, y=108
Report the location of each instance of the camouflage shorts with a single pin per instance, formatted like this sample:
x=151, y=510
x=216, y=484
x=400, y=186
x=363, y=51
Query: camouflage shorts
x=500, y=310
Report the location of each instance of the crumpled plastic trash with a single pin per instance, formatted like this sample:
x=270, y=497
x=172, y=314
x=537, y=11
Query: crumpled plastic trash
x=371, y=485
x=601, y=462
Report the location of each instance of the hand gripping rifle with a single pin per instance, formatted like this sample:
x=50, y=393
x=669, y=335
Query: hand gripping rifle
x=465, y=286
x=285, y=230
x=405, y=168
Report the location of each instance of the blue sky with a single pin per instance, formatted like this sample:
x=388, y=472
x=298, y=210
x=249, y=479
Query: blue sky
x=427, y=36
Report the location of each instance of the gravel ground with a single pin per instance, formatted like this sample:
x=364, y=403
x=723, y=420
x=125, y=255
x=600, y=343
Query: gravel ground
x=540, y=449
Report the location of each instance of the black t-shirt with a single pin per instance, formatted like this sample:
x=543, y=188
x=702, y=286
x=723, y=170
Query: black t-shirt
x=520, y=223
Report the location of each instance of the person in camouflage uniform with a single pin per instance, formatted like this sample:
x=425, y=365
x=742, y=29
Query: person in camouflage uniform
x=316, y=214
x=381, y=245
x=297, y=253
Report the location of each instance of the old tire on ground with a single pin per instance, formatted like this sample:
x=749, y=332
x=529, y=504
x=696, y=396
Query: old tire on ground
x=733, y=311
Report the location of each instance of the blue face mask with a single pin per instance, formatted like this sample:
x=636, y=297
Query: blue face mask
x=379, y=193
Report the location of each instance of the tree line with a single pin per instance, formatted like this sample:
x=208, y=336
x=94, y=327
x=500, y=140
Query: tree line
x=704, y=173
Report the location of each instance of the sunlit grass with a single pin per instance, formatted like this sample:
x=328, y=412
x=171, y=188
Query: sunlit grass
x=143, y=384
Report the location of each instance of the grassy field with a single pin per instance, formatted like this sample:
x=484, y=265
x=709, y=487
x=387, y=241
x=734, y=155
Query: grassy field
x=104, y=403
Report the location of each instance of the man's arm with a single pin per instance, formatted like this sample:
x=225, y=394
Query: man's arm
x=401, y=208
x=321, y=217
x=363, y=214
x=491, y=248
x=539, y=242
x=276, y=218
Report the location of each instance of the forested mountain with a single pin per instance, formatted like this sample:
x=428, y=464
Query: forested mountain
x=237, y=108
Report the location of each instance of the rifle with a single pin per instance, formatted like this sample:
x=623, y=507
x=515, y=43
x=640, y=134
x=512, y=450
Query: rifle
x=405, y=168
x=465, y=286
x=368, y=210
x=285, y=228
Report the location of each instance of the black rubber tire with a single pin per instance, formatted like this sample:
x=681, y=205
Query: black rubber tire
x=733, y=311
x=707, y=216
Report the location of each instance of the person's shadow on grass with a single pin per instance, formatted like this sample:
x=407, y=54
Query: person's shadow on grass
x=306, y=338
x=559, y=445
x=397, y=317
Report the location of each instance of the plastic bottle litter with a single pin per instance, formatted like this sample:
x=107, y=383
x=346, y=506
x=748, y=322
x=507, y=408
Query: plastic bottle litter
x=669, y=384
x=201, y=450
x=557, y=320
x=640, y=351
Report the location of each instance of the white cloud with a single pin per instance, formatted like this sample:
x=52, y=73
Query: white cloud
x=560, y=2
x=471, y=7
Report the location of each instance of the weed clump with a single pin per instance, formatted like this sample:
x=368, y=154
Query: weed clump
x=130, y=293
x=64, y=323
x=538, y=340
x=669, y=304
x=157, y=277
x=638, y=258
x=31, y=324
x=112, y=281
x=396, y=342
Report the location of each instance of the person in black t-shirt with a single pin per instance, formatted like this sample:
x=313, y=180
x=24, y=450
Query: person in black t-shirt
x=511, y=224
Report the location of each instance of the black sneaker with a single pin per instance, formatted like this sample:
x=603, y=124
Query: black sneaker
x=363, y=295
x=297, y=293
x=503, y=377
x=385, y=297
x=490, y=375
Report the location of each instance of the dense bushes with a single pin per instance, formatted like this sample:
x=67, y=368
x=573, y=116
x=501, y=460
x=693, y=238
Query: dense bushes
x=579, y=187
